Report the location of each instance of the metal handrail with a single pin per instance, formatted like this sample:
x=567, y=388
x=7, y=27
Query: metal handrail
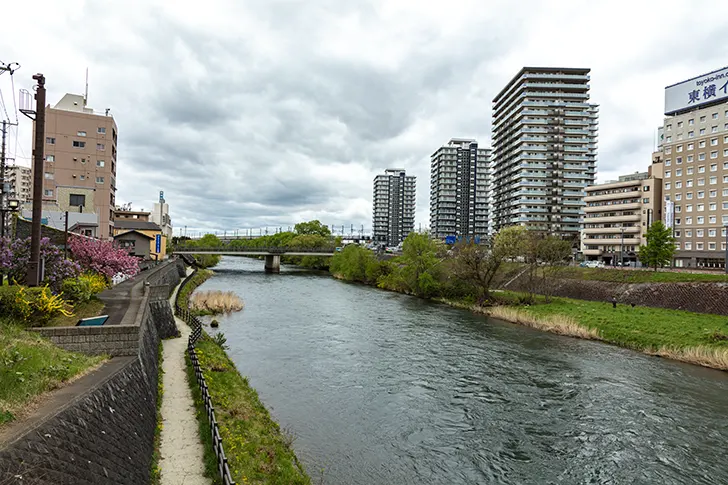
x=184, y=314
x=274, y=249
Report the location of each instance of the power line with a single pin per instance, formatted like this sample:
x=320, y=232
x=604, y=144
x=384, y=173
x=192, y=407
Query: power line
x=15, y=104
x=2, y=104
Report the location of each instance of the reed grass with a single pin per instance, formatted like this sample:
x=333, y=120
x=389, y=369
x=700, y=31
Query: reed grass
x=215, y=301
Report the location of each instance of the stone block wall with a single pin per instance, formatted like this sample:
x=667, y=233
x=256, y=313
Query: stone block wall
x=113, y=340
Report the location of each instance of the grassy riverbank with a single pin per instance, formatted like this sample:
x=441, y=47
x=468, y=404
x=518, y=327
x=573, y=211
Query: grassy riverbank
x=257, y=451
x=31, y=365
x=183, y=298
x=695, y=338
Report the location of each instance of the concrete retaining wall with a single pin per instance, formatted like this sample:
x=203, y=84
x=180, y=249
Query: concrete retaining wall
x=99, y=430
x=114, y=340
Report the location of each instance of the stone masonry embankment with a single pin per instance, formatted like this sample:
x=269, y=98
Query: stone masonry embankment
x=693, y=297
x=99, y=430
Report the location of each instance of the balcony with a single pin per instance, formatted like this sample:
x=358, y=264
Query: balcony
x=592, y=252
x=613, y=207
x=611, y=230
x=598, y=220
x=628, y=241
x=633, y=194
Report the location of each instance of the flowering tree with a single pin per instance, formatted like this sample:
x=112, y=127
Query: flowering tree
x=14, y=257
x=103, y=257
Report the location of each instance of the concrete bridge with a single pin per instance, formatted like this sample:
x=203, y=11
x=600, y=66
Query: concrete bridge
x=272, y=255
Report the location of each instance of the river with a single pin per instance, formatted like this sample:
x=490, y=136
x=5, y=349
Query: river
x=383, y=388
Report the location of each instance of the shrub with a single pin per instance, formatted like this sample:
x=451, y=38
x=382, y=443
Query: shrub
x=15, y=255
x=32, y=306
x=84, y=287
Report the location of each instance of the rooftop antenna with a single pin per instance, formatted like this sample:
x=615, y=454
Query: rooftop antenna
x=85, y=96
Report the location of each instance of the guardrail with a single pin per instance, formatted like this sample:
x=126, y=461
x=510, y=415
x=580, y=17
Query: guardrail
x=274, y=250
x=196, y=325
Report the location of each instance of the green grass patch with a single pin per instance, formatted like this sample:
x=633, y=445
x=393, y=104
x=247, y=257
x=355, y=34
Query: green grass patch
x=91, y=308
x=183, y=296
x=641, y=328
x=31, y=365
x=257, y=451
x=637, y=275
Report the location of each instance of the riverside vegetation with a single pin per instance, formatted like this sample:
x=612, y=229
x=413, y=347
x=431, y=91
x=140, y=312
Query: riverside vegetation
x=258, y=452
x=466, y=275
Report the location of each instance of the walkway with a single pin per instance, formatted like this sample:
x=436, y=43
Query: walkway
x=181, y=450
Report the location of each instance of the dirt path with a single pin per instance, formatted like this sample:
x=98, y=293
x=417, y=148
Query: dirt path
x=181, y=450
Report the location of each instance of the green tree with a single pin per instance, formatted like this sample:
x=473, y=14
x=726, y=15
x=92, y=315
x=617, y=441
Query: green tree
x=206, y=241
x=660, y=247
x=512, y=241
x=312, y=227
x=420, y=269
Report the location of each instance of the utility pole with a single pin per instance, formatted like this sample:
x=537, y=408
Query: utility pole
x=65, y=239
x=34, y=277
x=2, y=182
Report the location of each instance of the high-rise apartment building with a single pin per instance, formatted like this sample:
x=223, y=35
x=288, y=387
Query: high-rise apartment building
x=19, y=180
x=459, y=180
x=618, y=214
x=544, y=150
x=694, y=159
x=80, y=161
x=394, y=206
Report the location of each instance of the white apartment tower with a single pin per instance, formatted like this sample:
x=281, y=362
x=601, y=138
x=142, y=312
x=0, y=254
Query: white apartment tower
x=459, y=178
x=544, y=150
x=394, y=206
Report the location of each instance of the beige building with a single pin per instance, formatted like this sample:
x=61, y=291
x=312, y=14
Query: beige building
x=20, y=180
x=617, y=214
x=694, y=158
x=80, y=161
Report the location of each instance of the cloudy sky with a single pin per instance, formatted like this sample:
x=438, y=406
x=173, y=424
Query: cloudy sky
x=253, y=113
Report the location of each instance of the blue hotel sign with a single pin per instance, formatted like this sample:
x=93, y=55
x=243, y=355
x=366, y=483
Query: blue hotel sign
x=158, y=243
x=708, y=88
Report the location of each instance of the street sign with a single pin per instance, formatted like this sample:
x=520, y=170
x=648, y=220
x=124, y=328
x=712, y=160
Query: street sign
x=158, y=244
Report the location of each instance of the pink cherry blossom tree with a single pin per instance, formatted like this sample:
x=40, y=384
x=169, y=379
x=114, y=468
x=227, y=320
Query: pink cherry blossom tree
x=102, y=257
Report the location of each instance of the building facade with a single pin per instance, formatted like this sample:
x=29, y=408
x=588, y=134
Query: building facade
x=617, y=215
x=19, y=180
x=544, y=150
x=394, y=206
x=160, y=216
x=128, y=230
x=459, y=184
x=694, y=159
x=80, y=160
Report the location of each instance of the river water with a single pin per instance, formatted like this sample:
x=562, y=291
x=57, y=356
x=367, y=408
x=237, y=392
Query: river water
x=382, y=388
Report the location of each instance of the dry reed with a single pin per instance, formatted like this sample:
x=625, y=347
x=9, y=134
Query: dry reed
x=714, y=357
x=559, y=324
x=216, y=301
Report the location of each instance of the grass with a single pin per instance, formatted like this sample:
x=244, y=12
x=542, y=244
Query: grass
x=31, y=365
x=638, y=276
x=257, y=451
x=91, y=308
x=200, y=277
x=696, y=338
x=215, y=302
x=155, y=474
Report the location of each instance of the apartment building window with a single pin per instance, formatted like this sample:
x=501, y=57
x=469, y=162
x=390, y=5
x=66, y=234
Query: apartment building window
x=702, y=119
x=678, y=172
x=714, y=167
x=99, y=163
x=701, y=156
x=725, y=154
x=689, y=208
x=689, y=171
x=101, y=130
x=699, y=246
x=669, y=127
x=725, y=221
x=701, y=144
x=688, y=183
x=701, y=169
x=688, y=233
x=646, y=200
x=678, y=148
x=711, y=232
x=678, y=196
x=688, y=245
x=668, y=139
x=50, y=158
x=690, y=158
x=691, y=146
x=714, y=154
x=80, y=133
x=691, y=134
x=714, y=129
x=677, y=233
x=678, y=185
x=79, y=144
x=668, y=162
x=48, y=192
x=668, y=150
x=713, y=193
x=713, y=142
x=679, y=124
x=715, y=116
x=713, y=206
x=701, y=181
x=668, y=174
x=99, y=180
x=48, y=175
x=678, y=160
x=713, y=180
x=725, y=192
x=100, y=146
x=700, y=220
x=678, y=209
x=77, y=199
x=689, y=195
x=711, y=246
x=699, y=233
x=700, y=207
x=82, y=177
x=50, y=140
x=678, y=221
x=679, y=136
x=702, y=131
x=701, y=194
x=677, y=246
x=712, y=220
x=667, y=185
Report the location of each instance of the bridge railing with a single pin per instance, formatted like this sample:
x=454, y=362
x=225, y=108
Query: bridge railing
x=241, y=249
